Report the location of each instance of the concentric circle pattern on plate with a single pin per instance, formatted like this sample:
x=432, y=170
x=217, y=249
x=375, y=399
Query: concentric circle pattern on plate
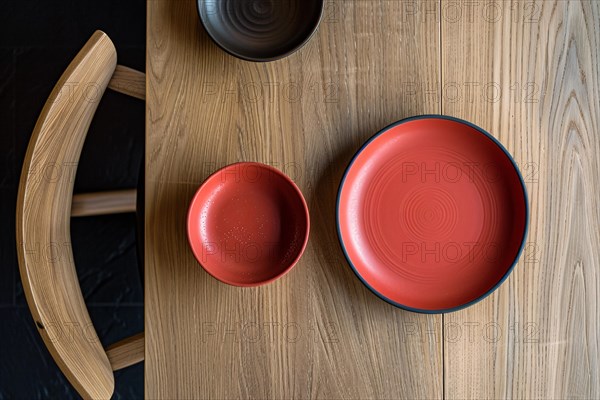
x=260, y=29
x=432, y=214
x=428, y=213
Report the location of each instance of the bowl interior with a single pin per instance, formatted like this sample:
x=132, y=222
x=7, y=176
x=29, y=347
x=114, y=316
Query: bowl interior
x=432, y=214
x=248, y=224
x=260, y=30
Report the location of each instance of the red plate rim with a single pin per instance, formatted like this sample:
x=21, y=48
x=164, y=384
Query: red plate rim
x=526, y=210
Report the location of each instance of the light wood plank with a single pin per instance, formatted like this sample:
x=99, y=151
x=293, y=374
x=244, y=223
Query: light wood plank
x=318, y=332
x=539, y=335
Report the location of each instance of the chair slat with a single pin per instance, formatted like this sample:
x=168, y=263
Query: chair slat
x=126, y=352
x=103, y=203
x=128, y=81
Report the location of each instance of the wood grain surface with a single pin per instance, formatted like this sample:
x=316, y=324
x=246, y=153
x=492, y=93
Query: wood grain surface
x=43, y=217
x=45, y=205
x=317, y=332
x=526, y=71
x=534, y=73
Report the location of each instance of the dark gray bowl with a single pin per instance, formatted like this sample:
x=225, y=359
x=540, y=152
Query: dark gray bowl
x=260, y=30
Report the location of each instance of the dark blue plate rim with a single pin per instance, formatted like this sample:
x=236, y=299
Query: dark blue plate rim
x=525, y=198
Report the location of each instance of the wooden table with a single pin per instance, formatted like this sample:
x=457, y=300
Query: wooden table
x=526, y=71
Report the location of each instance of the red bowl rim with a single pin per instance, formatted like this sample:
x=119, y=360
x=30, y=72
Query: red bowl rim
x=304, y=206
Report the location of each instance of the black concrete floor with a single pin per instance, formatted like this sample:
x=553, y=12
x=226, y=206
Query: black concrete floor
x=38, y=39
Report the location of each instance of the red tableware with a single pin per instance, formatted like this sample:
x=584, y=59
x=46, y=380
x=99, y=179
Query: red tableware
x=248, y=224
x=432, y=214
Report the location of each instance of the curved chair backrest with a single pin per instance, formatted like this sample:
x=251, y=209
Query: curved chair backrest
x=43, y=220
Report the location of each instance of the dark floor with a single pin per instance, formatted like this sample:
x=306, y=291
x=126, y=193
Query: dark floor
x=38, y=39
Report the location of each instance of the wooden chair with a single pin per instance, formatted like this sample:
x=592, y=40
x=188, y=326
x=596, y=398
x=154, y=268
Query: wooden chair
x=44, y=206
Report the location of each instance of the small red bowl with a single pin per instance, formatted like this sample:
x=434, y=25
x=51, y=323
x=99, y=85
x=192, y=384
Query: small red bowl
x=432, y=214
x=248, y=224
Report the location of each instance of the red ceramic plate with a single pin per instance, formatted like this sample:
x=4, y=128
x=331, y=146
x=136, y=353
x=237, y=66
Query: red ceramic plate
x=248, y=224
x=432, y=214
